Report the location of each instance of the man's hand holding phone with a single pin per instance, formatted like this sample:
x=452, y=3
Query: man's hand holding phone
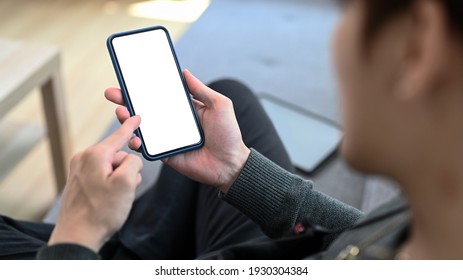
x=220, y=160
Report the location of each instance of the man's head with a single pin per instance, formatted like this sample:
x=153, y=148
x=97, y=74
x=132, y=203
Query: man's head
x=399, y=64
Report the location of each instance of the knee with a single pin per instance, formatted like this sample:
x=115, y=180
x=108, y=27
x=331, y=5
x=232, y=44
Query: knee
x=238, y=92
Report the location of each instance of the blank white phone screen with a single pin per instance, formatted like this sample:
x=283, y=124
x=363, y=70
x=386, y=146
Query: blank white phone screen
x=156, y=91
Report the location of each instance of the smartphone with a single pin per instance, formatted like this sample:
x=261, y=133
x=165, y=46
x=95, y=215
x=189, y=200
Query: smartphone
x=154, y=88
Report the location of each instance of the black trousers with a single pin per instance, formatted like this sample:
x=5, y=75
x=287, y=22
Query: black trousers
x=177, y=218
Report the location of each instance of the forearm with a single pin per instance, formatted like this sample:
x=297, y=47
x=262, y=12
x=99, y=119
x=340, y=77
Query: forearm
x=276, y=199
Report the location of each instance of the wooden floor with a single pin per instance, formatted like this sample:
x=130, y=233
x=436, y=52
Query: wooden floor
x=80, y=29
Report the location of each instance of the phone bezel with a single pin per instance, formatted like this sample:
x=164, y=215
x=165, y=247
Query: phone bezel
x=143, y=150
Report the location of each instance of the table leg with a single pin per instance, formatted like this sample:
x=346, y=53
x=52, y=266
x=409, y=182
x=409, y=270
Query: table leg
x=57, y=125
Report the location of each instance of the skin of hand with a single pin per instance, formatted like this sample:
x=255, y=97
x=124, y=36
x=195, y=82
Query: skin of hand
x=221, y=159
x=100, y=191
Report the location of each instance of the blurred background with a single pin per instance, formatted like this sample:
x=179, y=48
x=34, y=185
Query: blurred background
x=277, y=47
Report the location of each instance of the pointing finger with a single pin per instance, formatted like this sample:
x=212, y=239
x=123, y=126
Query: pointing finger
x=123, y=134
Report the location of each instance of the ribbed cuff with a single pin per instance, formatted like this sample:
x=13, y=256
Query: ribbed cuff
x=261, y=190
x=66, y=251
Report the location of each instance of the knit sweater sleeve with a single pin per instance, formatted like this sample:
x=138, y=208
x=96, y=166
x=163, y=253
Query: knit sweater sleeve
x=66, y=251
x=276, y=199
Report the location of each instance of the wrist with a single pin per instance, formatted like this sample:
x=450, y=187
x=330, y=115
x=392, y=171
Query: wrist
x=92, y=239
x=234, y=168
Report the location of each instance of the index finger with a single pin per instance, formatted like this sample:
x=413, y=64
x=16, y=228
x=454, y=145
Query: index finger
x=122, y=135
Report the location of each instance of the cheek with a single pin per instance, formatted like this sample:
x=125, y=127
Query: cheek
x=353, y=87
x=345, y=52
x=366, y=85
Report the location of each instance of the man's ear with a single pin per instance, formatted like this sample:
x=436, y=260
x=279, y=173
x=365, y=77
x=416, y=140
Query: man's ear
x=427, y=52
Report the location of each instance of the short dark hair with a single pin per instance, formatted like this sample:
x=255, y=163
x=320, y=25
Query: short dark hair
x=378, y=12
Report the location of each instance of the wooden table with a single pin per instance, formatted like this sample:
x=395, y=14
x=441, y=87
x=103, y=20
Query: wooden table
x=24, y=67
